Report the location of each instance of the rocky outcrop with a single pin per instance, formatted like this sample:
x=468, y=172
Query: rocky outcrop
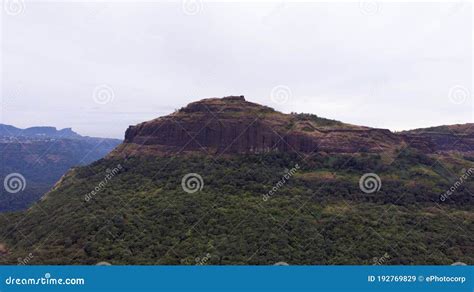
x=444, y=138
x=233, y=125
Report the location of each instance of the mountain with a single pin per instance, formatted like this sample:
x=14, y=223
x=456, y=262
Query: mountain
x=226, y=181
x=233, y=125
x=443, y=138
x=37, y=157
x=7, y=131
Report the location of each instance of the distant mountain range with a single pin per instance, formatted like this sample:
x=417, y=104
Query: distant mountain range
x=38, y=132
x=224, y=181
x=41, y=155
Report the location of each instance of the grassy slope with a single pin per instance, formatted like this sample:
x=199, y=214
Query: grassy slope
x=142, y=216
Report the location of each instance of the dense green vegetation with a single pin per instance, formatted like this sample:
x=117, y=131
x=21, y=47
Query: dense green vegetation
x=318, y=216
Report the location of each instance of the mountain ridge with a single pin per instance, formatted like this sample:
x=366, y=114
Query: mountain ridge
x=233, y=125
x=41, y=155
x=42, y=132
x=261, y=207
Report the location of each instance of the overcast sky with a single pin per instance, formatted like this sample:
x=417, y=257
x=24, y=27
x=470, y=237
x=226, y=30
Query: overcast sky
x=100, y=67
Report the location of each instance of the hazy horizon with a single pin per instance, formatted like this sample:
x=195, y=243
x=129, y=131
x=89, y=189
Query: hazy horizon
x=99, y=67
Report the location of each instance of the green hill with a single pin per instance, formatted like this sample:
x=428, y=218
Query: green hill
x=142, y=215
x=148, y=204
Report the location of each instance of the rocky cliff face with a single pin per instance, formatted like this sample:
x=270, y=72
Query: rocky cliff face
x=444, y=138
x=233, y=125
